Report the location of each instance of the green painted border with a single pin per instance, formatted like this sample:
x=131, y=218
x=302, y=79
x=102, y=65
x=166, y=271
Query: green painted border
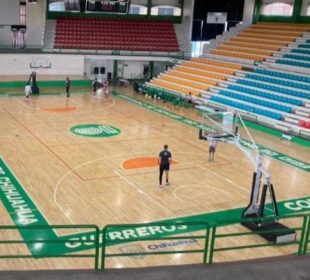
x=17, y=201
x=53, y=83
x=276, y=133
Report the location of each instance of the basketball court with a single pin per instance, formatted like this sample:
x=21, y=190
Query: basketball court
x=90, y=161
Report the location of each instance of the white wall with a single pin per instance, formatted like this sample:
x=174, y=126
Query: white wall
x=187, y=21
x=35, y=22
x=90, y=63
x=19, y=64
x=131, y=69
x=248, y=11
x=9, y=15
x=5, y=36
x=9, y=12
x=67, y=64
x=304, y=8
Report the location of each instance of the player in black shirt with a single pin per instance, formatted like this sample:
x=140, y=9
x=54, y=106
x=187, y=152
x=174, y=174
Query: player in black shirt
x=68, y=85
x=164, y=161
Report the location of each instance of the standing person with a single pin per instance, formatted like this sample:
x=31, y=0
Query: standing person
x=107, y=92
x=164, y=161
x=68, y=85
x=94, y=86
x=212, y=147
x=28, y=91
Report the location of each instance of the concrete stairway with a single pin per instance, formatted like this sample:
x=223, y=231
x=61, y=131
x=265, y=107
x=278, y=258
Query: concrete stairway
x=184, y=41
x=49, y=35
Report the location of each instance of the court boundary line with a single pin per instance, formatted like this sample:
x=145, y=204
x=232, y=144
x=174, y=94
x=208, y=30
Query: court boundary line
x=43, y=144
x=88, y=236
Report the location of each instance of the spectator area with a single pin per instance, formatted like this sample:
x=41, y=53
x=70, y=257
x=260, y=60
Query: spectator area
x=112, y=34
x=261, y=40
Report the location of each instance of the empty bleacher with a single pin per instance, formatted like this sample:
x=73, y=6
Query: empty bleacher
x=195, y=76
x=298, y=56
x=112, y=34
x=278, y=97
x=273, y=94
x=260, y=41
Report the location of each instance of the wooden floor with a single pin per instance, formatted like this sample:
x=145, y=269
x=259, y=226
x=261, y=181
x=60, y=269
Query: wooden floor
x=82, y=180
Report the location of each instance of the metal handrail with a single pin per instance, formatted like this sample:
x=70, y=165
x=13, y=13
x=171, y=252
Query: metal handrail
x=102, y=239
x=50, y=241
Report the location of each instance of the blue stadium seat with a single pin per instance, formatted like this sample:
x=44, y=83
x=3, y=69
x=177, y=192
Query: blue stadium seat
x=257, y=101
x=300, y=51
x=273, y=88
x=305, y=46
x=275, y=81
x=283, y=75
x=245, y=107
x=296, y=57
x=293, y=63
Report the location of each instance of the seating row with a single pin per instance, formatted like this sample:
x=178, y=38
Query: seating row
x=304, y=124
x=275, y=88
x=238, y=54
x=115, y=35
x=175, y=87
x=275, y=81
x=266, y=36
x=115, y=47
x=209, y=67
x=299, y=50
x=187, y=76
x=245, y=107
x=264, y=94
x=297, y=57
x=245, y=50
x=293, y=63
x=184, y=82
x=256, y=101
x=117, y=42
x=203, y=73
x=304, y=46
x=217, y=63
x=284, y=75
x=251, y=45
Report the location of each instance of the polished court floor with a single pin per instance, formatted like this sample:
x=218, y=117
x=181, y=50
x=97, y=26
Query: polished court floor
x=73, y=178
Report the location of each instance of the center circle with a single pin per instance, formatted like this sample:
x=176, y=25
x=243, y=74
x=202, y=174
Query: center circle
x=95, y=130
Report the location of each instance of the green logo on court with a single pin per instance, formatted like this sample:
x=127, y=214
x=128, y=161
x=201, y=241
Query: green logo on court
x=95, y=130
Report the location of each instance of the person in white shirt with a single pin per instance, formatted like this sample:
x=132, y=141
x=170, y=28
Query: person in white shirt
x=212, y=147
x=28, y=91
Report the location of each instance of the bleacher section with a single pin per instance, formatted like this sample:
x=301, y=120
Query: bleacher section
x=260, y=41
x=195, y=76
x=298, y=56
x=273, y=94
x=274, y=97
x=112, y=34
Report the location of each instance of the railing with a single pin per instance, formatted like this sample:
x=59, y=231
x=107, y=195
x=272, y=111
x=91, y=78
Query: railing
x=302, y=231
x=138, y=227
x=42, y=242
x=39, y=239
x=212, y=238
x=46, y=49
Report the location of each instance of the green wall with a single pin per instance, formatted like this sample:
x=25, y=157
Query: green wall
x=58, y=83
